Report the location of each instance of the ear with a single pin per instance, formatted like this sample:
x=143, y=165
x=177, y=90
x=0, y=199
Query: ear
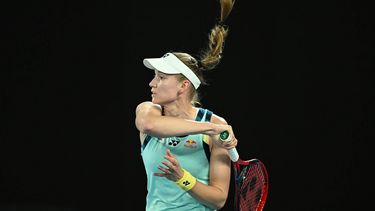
x=185, y=84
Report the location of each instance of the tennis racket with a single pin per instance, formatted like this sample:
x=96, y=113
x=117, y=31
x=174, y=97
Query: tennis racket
x=251, y=181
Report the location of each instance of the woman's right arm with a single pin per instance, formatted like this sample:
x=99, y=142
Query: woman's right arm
x=149, y=120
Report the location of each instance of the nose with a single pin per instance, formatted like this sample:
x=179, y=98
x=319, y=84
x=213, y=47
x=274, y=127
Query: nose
x=152, y=83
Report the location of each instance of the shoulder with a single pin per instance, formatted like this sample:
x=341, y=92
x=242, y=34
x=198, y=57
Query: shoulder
x=218, y=119
x=146, y=105
x=215, y=118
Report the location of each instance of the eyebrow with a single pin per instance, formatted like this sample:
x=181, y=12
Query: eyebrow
x=161, y=73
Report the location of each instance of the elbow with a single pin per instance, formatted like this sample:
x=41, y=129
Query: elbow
x=144, y=125
x=219, y=205
x=147, y=117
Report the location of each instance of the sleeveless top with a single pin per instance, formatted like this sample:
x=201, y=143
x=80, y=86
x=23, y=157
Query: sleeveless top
x=193, y=154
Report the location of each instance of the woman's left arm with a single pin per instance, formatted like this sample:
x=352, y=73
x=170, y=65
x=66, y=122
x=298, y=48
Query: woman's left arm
x=215, y=194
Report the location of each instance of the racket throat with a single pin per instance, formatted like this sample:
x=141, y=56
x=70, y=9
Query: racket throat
x=241, y=176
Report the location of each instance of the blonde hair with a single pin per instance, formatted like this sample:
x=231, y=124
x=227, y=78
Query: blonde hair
x=209, y=57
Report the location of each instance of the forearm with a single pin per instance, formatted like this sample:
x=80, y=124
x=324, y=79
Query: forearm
x=215, y=193
x=149, y=120
x=164, y=126
x=211, y=196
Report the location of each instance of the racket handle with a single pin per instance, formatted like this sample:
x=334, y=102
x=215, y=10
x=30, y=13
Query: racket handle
x=233, y=154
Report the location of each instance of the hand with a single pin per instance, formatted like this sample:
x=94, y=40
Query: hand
x=230, y=142
x=171, y=168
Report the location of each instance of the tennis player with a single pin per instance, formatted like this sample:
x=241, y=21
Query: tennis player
x=187, y=166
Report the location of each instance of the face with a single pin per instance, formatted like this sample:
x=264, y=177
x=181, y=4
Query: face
x=164, y=88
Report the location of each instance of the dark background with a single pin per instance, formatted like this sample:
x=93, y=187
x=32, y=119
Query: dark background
x=295, y=83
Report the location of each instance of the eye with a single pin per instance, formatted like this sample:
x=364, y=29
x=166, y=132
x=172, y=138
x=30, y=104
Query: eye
x=161, y=76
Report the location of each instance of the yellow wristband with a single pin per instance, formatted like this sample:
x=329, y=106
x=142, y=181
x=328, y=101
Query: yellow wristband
x=187, y=181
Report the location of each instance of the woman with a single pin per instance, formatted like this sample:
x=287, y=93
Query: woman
x=187, y=166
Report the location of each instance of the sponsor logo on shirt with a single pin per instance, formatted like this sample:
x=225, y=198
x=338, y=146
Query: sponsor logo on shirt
x=173, y=142
x=190, y=144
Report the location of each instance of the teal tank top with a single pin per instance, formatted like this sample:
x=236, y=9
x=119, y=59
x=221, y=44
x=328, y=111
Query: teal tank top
x=193, y=154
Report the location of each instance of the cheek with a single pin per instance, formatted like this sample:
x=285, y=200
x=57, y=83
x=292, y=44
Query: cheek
x=169, y=85
x=169, y=89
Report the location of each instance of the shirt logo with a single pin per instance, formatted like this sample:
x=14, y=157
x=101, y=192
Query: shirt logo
x=173, y=142
x=190, y=144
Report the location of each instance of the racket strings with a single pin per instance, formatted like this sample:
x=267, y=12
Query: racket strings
x=250, y=189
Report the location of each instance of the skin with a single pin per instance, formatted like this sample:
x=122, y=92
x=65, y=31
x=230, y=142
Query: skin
x=172, y=93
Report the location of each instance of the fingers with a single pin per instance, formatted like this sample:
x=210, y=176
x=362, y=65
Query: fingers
x=170, y=168
x=227, y=128
x=231, y=143
x=165, y=169
x=164, y=172
x=169, y=156
x=172, y=160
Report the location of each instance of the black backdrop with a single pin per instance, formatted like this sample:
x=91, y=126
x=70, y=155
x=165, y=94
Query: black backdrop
x=295, y=83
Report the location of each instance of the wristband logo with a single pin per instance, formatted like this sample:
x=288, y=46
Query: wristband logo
x=186, y=183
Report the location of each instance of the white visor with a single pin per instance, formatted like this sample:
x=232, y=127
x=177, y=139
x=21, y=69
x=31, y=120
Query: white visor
x=170, y=64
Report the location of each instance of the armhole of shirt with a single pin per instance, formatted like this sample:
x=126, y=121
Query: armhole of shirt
x=145, y=142
x=206, y=140
x=207, y=119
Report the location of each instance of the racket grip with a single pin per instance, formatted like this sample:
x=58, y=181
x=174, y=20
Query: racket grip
x=233, y=154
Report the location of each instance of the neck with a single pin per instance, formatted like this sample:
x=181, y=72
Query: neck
x=185, y=111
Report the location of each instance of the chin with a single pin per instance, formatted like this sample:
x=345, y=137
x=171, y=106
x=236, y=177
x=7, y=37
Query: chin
x=153, y=100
